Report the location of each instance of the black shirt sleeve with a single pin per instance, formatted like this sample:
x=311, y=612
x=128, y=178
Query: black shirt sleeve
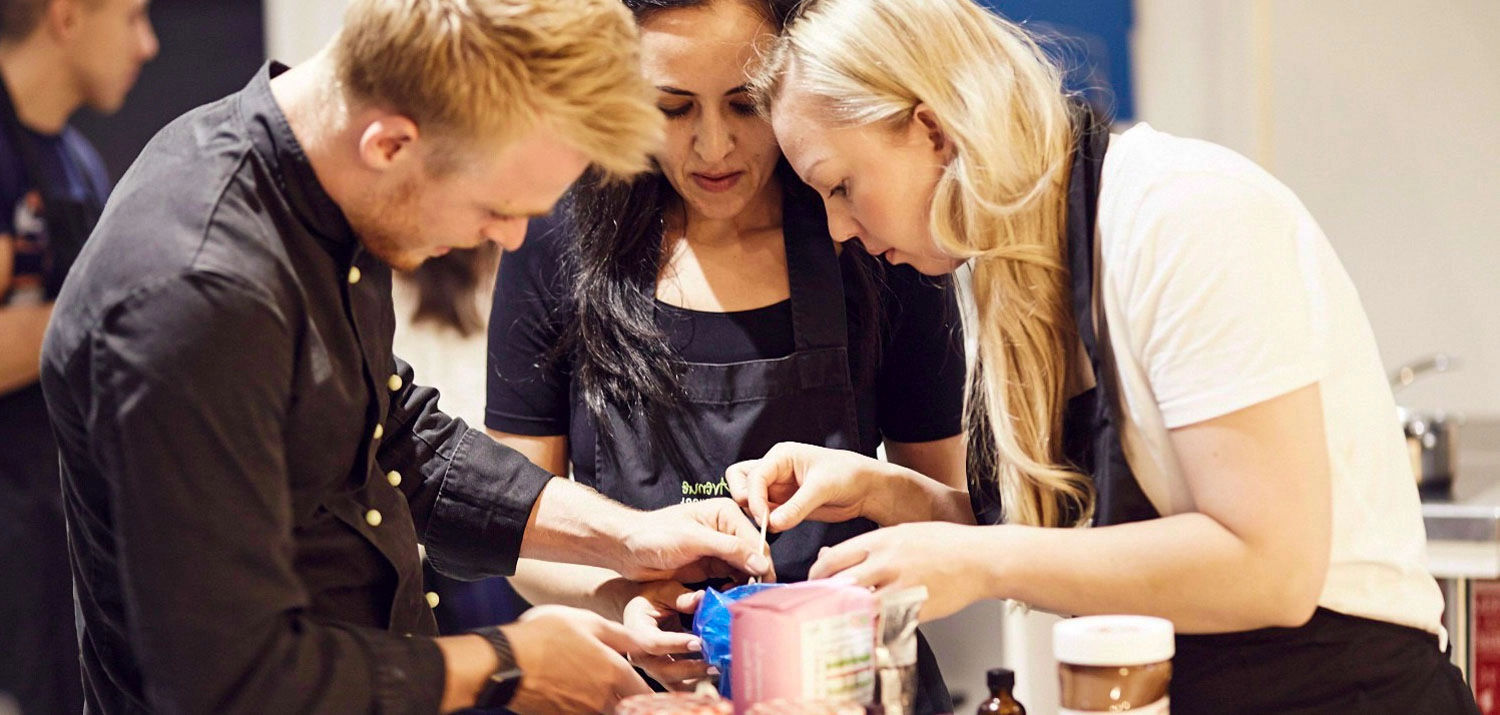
x=527, y=393
x=191, y=385
x=919, y=388
x=474, y=495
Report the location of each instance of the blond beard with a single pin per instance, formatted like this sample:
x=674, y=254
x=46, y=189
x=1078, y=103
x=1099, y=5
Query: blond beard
x=386, y=228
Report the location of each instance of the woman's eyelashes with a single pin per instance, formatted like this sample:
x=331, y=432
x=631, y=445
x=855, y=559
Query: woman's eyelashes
x=673, y=111
x=841, y=190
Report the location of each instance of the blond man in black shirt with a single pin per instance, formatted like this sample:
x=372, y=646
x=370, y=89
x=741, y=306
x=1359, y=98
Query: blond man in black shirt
x=249, y=470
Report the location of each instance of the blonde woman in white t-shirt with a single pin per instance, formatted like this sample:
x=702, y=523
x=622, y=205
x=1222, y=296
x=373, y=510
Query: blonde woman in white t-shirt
x=1168, y=351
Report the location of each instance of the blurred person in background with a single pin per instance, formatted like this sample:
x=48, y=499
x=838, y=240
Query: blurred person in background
x=441, y=310
x=56, y=57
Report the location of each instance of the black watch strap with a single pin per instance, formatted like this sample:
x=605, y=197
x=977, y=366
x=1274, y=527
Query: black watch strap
x=502, y=685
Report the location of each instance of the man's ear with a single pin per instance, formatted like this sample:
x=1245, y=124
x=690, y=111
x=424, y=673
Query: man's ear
x=925, y=120
x=61, y=18
x=387, y=141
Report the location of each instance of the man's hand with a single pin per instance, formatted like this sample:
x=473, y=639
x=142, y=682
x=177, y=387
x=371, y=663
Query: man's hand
x=571, y=662
x=653, y=618
x=694, y=542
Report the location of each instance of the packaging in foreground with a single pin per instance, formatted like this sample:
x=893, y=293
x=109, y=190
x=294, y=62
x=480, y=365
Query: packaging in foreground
x=712, y=624
x=1114, y=664
x=896, y=649
x=807, y=641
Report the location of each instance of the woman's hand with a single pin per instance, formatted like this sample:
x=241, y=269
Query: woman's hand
x=796, y=482
x=652, y=618
x=946, y=558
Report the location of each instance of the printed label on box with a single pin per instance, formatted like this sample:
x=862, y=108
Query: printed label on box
x=838, y=658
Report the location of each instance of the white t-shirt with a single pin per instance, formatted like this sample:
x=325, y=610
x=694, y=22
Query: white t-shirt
x=1221, y=292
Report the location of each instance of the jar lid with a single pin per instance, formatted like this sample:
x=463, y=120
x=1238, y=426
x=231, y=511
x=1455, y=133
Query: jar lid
x=1113, y=640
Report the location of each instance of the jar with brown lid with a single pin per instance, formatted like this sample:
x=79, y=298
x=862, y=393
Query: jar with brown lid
x=1114, y=664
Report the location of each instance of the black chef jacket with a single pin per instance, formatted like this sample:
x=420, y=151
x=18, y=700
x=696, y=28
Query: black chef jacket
x=247, y=469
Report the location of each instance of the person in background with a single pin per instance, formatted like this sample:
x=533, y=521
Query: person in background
x=1169, y=352
x=654, y=333
x=248, y=469
x=56, y=57
x=442, y=308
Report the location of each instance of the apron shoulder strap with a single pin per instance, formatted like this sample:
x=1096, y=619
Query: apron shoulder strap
x=816, y=276
x=1084, y=181
x=1095, y=418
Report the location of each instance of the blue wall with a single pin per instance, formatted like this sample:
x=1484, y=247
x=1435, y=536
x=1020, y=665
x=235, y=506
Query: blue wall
x=1095, y=45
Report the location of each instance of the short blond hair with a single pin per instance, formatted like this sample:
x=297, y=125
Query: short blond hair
x=493, y=69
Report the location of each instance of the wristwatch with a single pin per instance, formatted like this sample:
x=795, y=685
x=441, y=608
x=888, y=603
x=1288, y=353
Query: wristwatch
x=503, y=683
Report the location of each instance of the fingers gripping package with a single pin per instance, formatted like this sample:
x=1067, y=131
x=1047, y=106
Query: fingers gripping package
x=806, y=641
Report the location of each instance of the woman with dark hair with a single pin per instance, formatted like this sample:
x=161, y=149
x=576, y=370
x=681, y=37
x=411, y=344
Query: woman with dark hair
x=651, y=334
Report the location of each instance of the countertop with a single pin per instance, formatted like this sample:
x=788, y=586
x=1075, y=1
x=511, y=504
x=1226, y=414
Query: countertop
x=1463, y=531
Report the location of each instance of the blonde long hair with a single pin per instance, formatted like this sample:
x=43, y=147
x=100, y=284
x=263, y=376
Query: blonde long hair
x=1001, y=202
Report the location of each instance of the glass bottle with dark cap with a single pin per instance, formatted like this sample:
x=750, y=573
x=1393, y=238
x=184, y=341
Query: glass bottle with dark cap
x=1001, y=681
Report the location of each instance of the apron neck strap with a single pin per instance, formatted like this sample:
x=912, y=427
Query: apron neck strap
x=1083, y=208
x=816, y=276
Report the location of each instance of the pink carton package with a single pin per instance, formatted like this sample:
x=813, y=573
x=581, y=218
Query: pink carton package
x=813, y=640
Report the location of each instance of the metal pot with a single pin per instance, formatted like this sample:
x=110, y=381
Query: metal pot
x=1432, y=441
x=1431, y=436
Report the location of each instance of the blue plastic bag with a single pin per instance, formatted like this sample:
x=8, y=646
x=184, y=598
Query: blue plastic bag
x=711, y=625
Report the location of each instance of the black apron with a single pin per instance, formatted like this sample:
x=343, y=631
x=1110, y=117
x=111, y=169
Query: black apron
x=739, y=411
x=1335, y=663
x=39, y=665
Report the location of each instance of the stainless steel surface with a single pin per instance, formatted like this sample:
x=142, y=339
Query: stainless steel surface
x=1432, y=440
x=1431, y=436
x=1472, y=511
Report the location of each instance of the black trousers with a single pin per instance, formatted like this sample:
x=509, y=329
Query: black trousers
x=38, y=633
x=1334, y=664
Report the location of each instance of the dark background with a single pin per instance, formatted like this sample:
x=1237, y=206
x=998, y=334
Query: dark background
x=209, y=49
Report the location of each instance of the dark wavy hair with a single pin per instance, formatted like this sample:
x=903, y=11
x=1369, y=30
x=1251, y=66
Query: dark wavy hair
x=609, y=338
x=447, y=286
